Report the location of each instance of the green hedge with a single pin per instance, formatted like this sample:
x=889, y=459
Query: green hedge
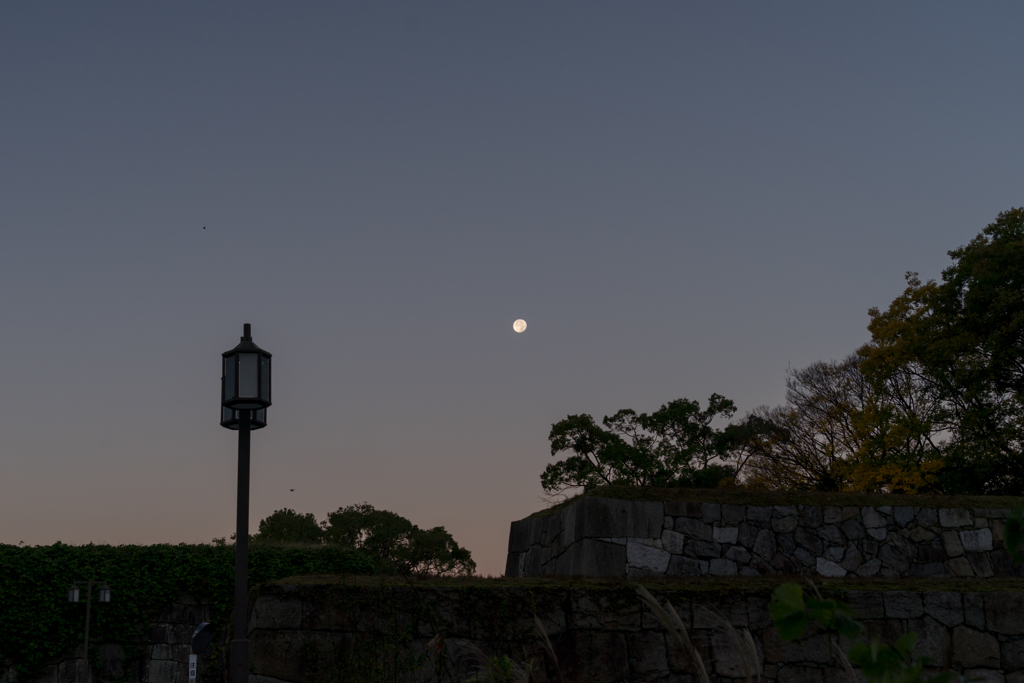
x=38, y=624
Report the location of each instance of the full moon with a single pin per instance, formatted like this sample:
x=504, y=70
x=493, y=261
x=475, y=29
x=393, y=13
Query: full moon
x=519, y=325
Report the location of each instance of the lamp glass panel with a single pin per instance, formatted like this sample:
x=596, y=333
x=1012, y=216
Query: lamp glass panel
x=104, y=595
x=248, y=375
x=225, y=414
x=229, y=378
x=265, y=377
x=260, y=415
x=73, y=594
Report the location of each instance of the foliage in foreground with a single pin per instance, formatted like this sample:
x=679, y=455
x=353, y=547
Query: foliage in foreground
x=394, y=543
x=793, y=614
x=37, y=623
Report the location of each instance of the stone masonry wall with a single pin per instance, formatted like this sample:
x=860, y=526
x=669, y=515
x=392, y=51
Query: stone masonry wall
x=326, y=630
x=610, y=537
x=603, y=633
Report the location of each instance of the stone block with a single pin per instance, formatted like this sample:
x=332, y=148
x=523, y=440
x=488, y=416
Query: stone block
x=852, y=529
x=647, y=558
x=166, y=671
x=919, y=534
x=1004, y=612
x=747, y=535
x=933, y=640
x=867, y=604
x=803, y=651
x=514, y=564
x=272, y=611
x=980, y=564
x=834, y=554
x=808, y=540
x=832, y=535
x=892, y=557
x=984, y=676
x=977, y=540
x=974, y=610
x=870, y=568
x=759, y=514
x=686, y=566
x=784, y=524
x=678, y=508
x=523, y=534
x=955, y=517
x=784, y=511
x=1012, y=655
x=702, y=549
x=931, y=553
x=764, y=545
x=672, y=541
x=593, y=656
x=832, y=515
x=804, y=557
x=974, y=649
x=928, y=517
x=721, y=567
x=785, y=543
x=951, y=543
x=828, y=568
x=958, y=566
x=732, y=515
x=608, y=517
x=852, y=560
x=903, y=604
x=811, y=517
x=877, y=534
x=738, y=554
x=799, y=674
x=725, y=534
x=729, y=661
x=592, y=558
x=903, y=515
x=946, y=607
x=711, y=513
x=693, y=528
x=872, y=518
x=595, y=610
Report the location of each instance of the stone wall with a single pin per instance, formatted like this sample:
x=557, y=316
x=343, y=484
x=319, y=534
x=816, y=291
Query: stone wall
x=603, y=633
x=609, y=537
x=326, y=629
x=162, y=657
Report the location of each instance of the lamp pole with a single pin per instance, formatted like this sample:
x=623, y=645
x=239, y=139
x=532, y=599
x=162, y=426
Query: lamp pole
x=240, y=643
x=73, y=596
x=245, y=397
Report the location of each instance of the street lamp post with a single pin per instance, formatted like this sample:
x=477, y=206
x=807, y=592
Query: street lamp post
x=74, y=593
x=245, y=397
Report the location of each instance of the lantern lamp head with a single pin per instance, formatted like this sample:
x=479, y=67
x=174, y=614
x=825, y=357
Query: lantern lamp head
x=73, y=593
x=105, y=593
x=245, y=382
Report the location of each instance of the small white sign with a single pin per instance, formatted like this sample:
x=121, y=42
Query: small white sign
x=192, y=668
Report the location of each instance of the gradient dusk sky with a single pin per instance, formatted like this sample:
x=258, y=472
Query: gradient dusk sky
x=679, y=198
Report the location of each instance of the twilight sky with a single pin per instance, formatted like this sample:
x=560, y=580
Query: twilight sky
x=678, y=198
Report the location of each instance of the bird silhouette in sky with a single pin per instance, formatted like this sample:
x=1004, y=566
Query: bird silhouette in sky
x=204, y=227
x=291, y=489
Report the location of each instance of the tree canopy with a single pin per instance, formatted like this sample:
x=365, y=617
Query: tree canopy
x=959, y=344
x=673, y=446
x=395, y=544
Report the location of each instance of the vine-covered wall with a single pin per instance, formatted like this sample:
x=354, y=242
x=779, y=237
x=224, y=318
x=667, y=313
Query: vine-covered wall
x=38, y=626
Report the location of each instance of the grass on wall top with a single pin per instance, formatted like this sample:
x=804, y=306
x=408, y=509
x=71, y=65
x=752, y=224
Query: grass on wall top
x=741, y=496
